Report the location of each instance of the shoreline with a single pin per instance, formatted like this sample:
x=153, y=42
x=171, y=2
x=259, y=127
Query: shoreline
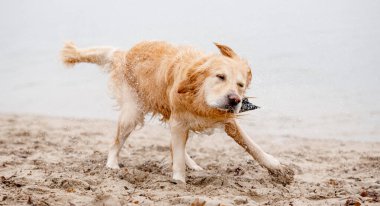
x=61, y=161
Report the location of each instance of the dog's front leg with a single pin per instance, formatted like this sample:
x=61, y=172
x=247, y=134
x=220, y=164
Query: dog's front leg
x=282, y=173
x=179, y=134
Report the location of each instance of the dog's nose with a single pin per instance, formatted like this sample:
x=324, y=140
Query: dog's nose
x=233, y=99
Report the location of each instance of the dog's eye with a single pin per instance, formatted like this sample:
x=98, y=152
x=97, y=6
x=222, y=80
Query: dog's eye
x=240, y=85
x=221, y=76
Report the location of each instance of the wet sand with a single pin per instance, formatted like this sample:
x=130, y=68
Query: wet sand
x=61, y=161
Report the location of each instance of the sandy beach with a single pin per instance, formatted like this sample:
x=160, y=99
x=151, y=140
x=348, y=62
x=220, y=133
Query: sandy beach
x=61, y=161
x=316, y=75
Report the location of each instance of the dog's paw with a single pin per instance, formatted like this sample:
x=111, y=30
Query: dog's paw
x=283, y=175
x=190, y=163
x=195, y=167
x=179, y=178
x=112, y=165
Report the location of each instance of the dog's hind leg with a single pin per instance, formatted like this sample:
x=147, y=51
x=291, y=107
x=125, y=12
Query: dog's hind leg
x=130, y=116
x=282, y=172
x=124, y=129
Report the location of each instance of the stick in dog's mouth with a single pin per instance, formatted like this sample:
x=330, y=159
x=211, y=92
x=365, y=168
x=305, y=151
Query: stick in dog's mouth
x=245, y=106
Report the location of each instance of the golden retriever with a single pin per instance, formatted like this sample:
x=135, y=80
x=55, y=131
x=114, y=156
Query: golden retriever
x=189, y=89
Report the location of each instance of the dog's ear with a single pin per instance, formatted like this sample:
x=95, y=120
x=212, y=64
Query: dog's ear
x=225, y=50
x=249, y=77
x=193, y=81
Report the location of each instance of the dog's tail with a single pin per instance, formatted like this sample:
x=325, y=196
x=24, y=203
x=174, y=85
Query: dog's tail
x=101, y=56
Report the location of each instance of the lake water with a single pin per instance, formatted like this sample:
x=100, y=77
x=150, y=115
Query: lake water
x=315, y=63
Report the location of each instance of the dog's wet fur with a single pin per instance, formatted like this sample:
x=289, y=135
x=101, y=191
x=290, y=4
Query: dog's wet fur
x=188, y=89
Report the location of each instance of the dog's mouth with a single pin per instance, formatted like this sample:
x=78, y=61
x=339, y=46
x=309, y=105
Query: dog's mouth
x=227, y=108
x=231, y=109
x=245, y=106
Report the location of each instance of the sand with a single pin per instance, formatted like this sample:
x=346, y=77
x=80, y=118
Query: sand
x=61, y=161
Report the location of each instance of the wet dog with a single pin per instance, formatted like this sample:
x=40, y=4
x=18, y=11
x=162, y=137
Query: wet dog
x=190, y=90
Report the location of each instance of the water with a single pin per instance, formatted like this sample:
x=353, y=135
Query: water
x=315, y=63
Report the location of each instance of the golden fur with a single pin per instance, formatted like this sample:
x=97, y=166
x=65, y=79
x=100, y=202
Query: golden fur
x=167, y=79
x=187, y=88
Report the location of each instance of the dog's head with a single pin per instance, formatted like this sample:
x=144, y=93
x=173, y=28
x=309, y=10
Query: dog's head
x=220, y=80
